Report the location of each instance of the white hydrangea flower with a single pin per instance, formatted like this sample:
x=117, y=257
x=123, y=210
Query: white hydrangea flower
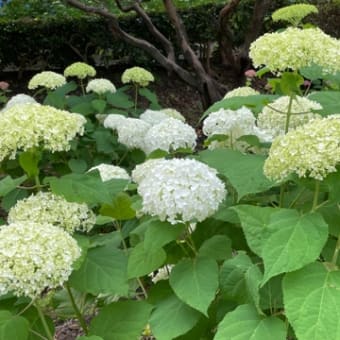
x=100, y=86
x=24, y=126
x=174, y=114
x=141, y=170
x=170, y=135
x=113, y=120
x=46, y=207
x=273, y=116
x=311, y=150
x=34, y=257
x=295, y=48
x=50, y=80
x=108, y=171
x=137, y=75
x=162, y=273
x=153, y=117
x=233, y=124
x=181, y=190
x=242, y=91
x=80, y=70
x=20, y=98
x=131, y=132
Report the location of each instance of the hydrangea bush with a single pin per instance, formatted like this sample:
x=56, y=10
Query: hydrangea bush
x=105, y=218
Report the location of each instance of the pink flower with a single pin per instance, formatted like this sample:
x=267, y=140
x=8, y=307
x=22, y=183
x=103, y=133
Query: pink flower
x=250, y=73
x=4, y=85
x=307, y=83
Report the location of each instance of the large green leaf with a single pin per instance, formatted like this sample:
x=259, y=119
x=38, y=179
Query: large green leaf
x=244, y=171
x=13, y=326
x=172, y=318
x=293, y=242
x=244, y=323
x=36, y=324
x=158, y=233
x=240, y=280
x=151, y=96
x=255, y=221
x=122, y=320
x=119, y=99
x=120, y=208
x=217, y=247
x=87, y=187
x=143, y=261
x=329, y=100
x=104, y=270
x=7, y=184
x=312, y=302
x=195, y=282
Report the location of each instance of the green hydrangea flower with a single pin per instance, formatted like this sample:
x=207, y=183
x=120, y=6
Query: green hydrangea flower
x=46, y=207
x=295, y=48
x=242, y=91
x=50, y=80
x=311, y=150
x=79, y=70
x=293, y=14
x=138, y=76
x=100, y=86
x=26, y=126
x=34, y=257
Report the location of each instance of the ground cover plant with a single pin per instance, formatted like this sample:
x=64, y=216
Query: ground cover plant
x=112, y=214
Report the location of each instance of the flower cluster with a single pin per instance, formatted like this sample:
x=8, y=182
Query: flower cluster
x=233, y=124
x=20, y=98
x=25, y=126
x=295, y=48
x=79, y=70
x=162, y=273
x=46, y=207
x=100, y=86
x=180, y=190
x=273, y=116
x=141, y=170
x=293, y=14
x=169, y=135
x=242, y=91
x=113, y=120
x=311, y=150
x=34, y=257
x=155, y=117
x=108, y=171
x=138, y=76
x=50, y=80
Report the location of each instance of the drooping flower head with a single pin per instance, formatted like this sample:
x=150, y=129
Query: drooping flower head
x=46, y=207
x=100, y=86
x=80, y=70
x=34, y=257
x=273, y=116
x=295, y=48
x=233, y=124
x=170, y=135
x=180, y=190
x=311, y=150
x=138, y=76
x=48, y=79
x=294, y=14
x=242, y=91
x=108, y=171
x=25, y=126
x=20, y=98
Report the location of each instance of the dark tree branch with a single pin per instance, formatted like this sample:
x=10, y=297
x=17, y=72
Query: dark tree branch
x=168, y=64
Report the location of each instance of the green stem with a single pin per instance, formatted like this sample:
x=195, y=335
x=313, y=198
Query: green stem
x=76, y=310
x=316, y=195
x=289, y=113
x=190, y=241
x=336, y=252
x=37, y=183
x=82, y=87
x=136, y=97
x=44, y=322
x=37, y=334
